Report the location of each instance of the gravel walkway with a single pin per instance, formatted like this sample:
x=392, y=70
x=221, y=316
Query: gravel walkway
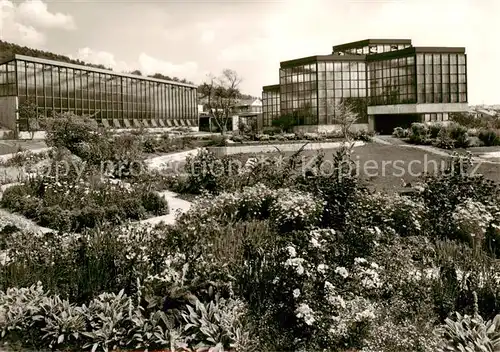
x=20, y=222
x=176, y=206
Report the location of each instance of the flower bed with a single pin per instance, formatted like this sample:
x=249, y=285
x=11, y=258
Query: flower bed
x=270, y=259
x=67, y=204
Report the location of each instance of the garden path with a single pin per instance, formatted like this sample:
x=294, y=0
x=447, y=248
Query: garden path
x=176, y=206
x=20, y=222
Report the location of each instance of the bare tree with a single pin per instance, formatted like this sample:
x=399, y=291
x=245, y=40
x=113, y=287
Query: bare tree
x=221, y=93
x=345, y=116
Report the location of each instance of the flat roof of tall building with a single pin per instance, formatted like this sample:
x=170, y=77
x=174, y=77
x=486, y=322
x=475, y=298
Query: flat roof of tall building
x=316, y=58
x=271, y=87
x=416, y=50
x=365, y=42
x=92, y=69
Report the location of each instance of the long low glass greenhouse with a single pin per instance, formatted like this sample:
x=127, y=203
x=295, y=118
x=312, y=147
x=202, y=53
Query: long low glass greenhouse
x=114, y=100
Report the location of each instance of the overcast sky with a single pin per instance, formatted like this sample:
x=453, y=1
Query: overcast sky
x=189, y=39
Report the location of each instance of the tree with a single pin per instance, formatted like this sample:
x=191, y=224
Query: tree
x=136, y=72
x=301, y=116
x=28, y=111
x=221, y=93
x=345, y=116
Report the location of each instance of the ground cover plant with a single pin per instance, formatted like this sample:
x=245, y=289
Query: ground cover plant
x=270, y=257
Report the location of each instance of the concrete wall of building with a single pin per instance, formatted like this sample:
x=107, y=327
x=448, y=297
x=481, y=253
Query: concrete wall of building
x=371, y=123
x=329, y=128
x=236, y=121
x=8, y=112
x=417, y=108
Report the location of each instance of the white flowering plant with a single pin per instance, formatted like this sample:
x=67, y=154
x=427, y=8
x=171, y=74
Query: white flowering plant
x=473, y=219
x=324, y=302
x=442, y=195
x=288, y=209
x=294, y=210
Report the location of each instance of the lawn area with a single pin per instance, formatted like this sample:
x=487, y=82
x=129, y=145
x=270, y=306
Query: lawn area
x=384, y=167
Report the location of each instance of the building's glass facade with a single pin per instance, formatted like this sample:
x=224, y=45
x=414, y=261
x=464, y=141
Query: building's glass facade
x=441, y=78
x=298, y=91
x=339, y=81
x=392, y=81
x=270, y=104
x=8, y=79
x=371, y=49
x=115, y=100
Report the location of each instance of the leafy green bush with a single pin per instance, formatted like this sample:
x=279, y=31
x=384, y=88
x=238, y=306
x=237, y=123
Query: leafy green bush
x=444, y=139
x=419, y=133
x=95, y=147
x=271, y=130
x=400, y=132
x=286, y=122
x=71, y=132
x=489, y=137
x=435, y=129
x=459, y=135
x=217, y=141
x=363, y=135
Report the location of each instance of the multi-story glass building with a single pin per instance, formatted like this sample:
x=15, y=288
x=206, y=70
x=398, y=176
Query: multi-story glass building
x=389, y=83
x=114, y=100
x=270, y=103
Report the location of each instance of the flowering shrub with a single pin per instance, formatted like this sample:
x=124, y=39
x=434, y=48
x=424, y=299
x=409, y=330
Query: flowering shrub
x=419, y=133
x=400, y=132
x=206, y=172
x=442, y=194
x=295, y=210
x=286, y=208
x=473, y=218
x=323, y=305
x=407, y=215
